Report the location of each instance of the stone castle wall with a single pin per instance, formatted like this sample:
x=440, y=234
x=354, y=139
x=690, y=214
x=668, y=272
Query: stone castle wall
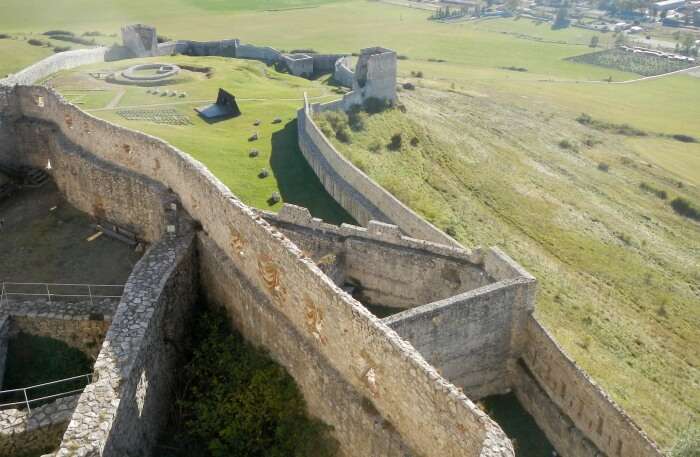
x=92, y=185
x=468, y=337
x=363, y=198
x=57, y=62
x=343, y=73
x=123, y=411
x=388, y=268
x=429, y=413
x=25, y=432
x=583, y=402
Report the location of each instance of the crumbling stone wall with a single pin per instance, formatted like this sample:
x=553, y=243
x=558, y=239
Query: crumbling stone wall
x=299, y=64
x=387, y=267
x=363, y=198
x=124, y=410
x=343, y=73
x=582, y=402
x=4, y=336
x=25, y=432
x=141, y=40
x=437, y=420
x=264, y=53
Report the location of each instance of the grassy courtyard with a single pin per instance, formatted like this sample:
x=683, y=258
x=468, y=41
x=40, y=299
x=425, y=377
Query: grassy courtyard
x=265, y=97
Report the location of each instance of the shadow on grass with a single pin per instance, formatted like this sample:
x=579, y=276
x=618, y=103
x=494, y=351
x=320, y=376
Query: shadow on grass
x=297, y=182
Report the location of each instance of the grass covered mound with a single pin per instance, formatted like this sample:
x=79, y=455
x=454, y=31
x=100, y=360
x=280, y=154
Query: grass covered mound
x=33, y=360
x=238, y=402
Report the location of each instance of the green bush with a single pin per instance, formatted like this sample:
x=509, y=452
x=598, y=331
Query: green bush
x=4, y=36
x=240, y=403
x=602, y=166
x=662, y=194
x=58, y=32
x=375, y=105
x=683, y=207
x=396, y=141
x=357, y=119
x=35, y=42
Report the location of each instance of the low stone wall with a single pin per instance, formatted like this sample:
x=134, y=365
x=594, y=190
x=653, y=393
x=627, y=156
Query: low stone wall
x=585, y=404
x=437, y=419
x=386, y=267
x=124, y=410
x=468, y=337
x=264, y=53
x=343, y=73
x=25, y=432
x=363, y=198
x=94, y=186
x=57, y=62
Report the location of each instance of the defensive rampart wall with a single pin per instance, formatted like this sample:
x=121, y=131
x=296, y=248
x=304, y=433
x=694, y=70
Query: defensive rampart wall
x=92, y=185
x=363, y=198
x=437, y=419
x=582, y=401
x=386, y=267
x=125, y=409
x=57, y=62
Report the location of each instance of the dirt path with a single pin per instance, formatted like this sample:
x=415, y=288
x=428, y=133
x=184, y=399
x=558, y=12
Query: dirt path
x=117, y=98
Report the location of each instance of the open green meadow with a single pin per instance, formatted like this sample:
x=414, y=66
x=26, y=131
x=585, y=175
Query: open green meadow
x=500, y=159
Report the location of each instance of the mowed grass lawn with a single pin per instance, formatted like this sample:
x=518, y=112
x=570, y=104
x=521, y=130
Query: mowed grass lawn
x=224, y=146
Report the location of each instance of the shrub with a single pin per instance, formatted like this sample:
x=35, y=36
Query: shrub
x=395, y=142
x=302, y=51
x=240, y=402
x=684, y=138
x=4, y=36
x=59, y=32
x=274, y=199
x=58, y=49
x=566, y=144
x=163, y=39
x=95, y=33
x=263, y=173
x=408, y=86
x=602, y=166
x=417, y=74
x=520, y=69
x=343, y=135
x=35, y=42
x=451, y=231
x=414, y=141
x=357, y=119
x=683, y=207
x=74, y=39
x=651, y=189
x=375, y=147
x=375, y=105
x=402, y=57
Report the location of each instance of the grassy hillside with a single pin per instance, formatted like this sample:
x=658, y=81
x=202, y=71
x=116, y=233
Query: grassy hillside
x=617, y=267
x=262, y=94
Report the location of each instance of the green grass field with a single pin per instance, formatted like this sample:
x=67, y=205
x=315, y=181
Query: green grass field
x=618, y=268
x=263, y=95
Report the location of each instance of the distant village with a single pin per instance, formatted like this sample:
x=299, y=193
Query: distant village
x=666, y=28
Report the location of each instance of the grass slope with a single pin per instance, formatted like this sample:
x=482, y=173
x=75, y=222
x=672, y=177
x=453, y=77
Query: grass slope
x=262, y=93
x=617, y=267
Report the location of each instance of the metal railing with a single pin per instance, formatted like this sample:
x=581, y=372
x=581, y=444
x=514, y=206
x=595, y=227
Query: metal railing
x=27, y=401
x=57, y=290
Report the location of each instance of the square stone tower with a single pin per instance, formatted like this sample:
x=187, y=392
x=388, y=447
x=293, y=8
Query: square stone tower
x=375, y=74
x=140, y=39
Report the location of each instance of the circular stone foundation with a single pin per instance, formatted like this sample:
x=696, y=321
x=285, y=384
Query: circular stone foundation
x=150, y=72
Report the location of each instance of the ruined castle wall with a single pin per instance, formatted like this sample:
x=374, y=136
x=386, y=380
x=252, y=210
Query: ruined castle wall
x=95, y=186
x=358, y=426
x=8, y=114
x=127, y=405
x=431, y=415
x=264, y=53
x=389, y=269
x=57, y=62
x=468, y=337
x=299, y=64
x=574, y=393
x=25, y=432
x=343, y=73
x=223, y=48
x=363, y=198
x=325, y=63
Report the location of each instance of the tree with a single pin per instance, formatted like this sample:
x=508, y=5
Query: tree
x=594, y=41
